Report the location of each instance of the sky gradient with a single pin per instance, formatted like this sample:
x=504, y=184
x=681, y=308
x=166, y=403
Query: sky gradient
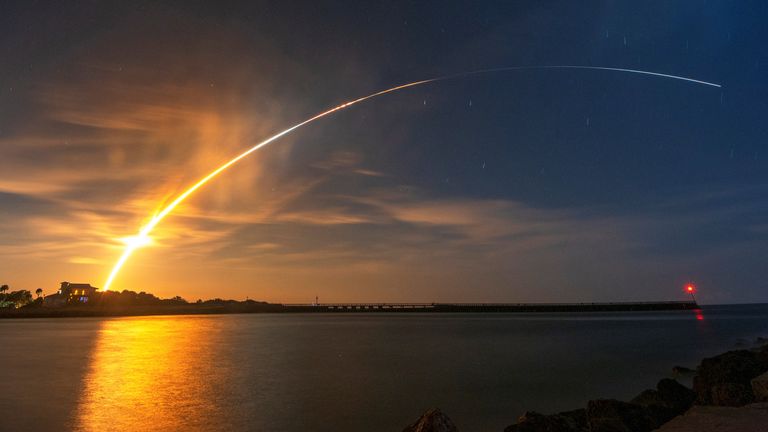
x=554, y=185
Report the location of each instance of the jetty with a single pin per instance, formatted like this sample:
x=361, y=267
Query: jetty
x=488, y=307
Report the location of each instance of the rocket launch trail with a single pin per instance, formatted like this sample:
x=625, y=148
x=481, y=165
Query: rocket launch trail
x=142, y=237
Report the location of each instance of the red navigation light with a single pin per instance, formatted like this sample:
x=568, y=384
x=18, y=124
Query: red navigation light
x=690, y=289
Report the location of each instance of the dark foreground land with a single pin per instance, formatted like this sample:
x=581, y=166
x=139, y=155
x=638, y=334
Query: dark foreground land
x=729, y=394
x=166, y=307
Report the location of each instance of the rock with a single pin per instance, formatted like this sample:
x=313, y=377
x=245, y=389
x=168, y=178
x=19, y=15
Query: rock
x=760, y=388
x=432, y=421
x=568, y=421
x=724, y=380
x=750, y=418
x=762, y=354
x=610, y=415
x=675, y=395
x=656, y=406
x=647, y=398
x=731, y=394
x=682, y=371
x=669, y=400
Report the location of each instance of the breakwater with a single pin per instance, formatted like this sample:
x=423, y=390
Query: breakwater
x=489, y=307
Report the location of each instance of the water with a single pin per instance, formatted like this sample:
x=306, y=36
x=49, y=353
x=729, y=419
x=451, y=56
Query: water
x=341, y=372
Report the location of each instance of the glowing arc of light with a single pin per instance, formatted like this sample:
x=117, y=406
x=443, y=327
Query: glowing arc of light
x=142, y=237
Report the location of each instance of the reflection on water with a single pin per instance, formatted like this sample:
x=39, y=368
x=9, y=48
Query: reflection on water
x=150, y=374
x=345, y=372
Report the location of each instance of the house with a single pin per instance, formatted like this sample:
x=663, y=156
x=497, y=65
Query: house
x=54, y=300
x=75, y=292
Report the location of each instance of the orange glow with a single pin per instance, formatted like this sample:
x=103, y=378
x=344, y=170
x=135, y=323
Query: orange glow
x=690, y=288
x=140, y=366
x=142, y=237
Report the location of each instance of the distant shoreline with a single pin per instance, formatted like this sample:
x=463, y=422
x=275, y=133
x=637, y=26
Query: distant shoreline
x=234, y=307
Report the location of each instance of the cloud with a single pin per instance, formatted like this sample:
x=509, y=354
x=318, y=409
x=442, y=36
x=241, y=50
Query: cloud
x=130, y=120
x=130, y=147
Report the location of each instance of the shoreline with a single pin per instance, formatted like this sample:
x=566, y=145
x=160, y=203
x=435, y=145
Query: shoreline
x=250, y=306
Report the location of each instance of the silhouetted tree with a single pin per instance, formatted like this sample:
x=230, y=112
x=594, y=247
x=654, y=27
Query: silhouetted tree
x=39, y=292
x=3, y=289
x=16, y=299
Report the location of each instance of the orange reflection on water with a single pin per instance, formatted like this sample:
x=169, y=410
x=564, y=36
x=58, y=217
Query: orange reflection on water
x=150, y=373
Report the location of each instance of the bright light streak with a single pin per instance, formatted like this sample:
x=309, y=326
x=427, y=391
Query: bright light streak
x=143, y=235
x=136, y=241
x=637, y=72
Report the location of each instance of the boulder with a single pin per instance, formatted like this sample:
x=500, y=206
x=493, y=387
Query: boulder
x=760, y=388
x=724, y=380
x=682, y=371
x=749, y=418
x=647, y=398
x=762, y=354
x=568, y=421
x=675, y=395
x=731, y=394
x=432, y=421
x=610, y=415
x=669, y=400
x=655, y=406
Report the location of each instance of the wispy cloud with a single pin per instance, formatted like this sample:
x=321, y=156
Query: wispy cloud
x=105, y=143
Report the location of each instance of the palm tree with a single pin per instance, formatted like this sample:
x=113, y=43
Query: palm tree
x=39, y=292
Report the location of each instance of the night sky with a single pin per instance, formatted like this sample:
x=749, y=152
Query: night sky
x=535, y=185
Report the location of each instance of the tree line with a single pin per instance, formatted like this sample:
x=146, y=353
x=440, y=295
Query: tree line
x=20, y=298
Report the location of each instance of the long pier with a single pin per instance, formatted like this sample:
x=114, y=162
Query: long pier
x=231, y=306
x=489, y=307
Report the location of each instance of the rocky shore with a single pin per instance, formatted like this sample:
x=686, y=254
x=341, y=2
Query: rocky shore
x=730, y=393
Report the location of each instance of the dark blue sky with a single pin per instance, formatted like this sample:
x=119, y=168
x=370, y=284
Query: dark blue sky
x=534, y=185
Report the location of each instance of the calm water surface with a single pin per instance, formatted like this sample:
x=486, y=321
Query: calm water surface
x=341, y=372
